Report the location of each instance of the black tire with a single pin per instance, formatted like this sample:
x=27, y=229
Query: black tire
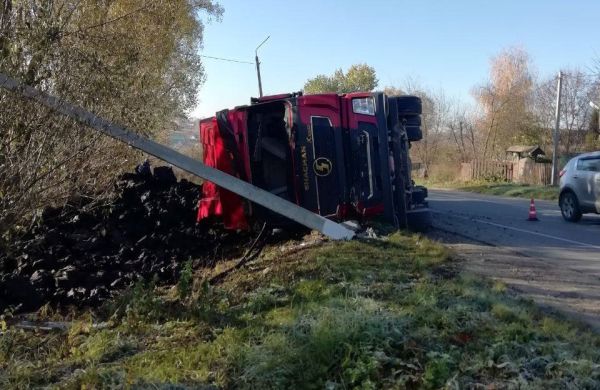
x=419, y=220
x=409, y=105
x=414, y=133
x=419, y=194
x=411, y=120
x=569, y=206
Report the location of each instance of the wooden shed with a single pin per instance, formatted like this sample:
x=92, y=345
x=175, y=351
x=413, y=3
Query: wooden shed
x=524, y=151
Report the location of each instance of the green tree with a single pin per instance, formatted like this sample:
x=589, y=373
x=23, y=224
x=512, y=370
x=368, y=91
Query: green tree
x=359, y=77
x=134, y=62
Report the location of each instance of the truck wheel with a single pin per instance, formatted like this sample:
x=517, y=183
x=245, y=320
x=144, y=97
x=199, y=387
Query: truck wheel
x=569, y=207
x=419, y=194
x=409, y=105
x=412, y=120
x=419, y=220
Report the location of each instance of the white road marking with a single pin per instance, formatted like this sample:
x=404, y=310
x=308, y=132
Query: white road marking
x=583, y=244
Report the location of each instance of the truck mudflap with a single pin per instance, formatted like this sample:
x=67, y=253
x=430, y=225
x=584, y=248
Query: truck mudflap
x=404, y=204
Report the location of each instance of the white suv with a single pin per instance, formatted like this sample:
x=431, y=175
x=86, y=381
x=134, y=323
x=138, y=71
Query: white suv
x=580, y=186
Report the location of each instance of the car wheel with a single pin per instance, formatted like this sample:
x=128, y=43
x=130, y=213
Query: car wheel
x=569, y=207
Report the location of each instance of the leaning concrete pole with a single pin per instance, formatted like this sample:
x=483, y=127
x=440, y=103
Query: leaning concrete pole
x=556, y=129
x=231, y=183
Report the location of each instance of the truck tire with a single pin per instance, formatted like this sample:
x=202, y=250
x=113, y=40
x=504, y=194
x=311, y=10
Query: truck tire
x=419, y=194
x=414, y=133
x=419, y=220
x=411, y=120
x=409, y=105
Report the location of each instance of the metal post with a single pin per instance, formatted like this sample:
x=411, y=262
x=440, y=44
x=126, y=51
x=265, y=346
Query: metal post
x=258, y=75
x=556, y=129
x=597, y=108
x=257, y=61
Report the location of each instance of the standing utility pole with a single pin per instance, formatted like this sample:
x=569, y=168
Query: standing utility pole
x=597, y=108
x=556, y=129
x=258, y=66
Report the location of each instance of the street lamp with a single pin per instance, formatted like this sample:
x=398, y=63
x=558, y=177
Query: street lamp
x=258, y=65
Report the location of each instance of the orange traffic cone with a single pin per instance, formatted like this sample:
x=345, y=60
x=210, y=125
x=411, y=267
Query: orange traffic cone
x=532, y=212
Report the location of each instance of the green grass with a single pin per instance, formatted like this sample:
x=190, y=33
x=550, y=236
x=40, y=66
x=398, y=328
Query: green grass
x=501, y=189
x=391, y=314
x=513, y=190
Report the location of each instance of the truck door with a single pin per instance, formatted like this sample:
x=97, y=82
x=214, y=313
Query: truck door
x=318, y=145
x=363, y=162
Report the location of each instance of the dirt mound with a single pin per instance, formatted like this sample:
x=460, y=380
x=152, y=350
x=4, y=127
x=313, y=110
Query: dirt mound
x=81, y=258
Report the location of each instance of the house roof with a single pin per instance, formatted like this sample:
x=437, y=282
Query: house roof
x=532, y=150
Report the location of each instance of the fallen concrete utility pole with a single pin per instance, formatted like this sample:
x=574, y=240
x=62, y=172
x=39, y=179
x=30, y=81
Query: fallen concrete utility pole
x=233, y=184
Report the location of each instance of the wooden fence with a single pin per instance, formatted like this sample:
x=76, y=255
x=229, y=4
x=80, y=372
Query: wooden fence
x=487, y=170
x=524, y=171
x=536, y=173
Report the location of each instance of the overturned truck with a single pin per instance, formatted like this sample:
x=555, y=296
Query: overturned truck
x=316, y=160
x=339, y=156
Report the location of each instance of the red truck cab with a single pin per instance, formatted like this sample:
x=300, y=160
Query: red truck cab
x=340, y=156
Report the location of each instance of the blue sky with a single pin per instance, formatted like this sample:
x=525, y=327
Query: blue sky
x=441, y=44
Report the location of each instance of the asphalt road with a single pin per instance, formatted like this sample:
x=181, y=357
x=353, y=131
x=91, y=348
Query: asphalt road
x=502, y=222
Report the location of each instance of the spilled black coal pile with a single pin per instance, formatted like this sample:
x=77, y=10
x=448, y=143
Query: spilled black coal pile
x=81, y=258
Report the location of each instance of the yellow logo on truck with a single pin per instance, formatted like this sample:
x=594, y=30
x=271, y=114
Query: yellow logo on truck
x=304, y=156
x=322, y=166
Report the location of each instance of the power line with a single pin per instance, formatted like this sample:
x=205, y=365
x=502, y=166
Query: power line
x=228, y=59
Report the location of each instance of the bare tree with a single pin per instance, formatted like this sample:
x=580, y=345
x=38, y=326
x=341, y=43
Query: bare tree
x=544, y=108
x=505, y=102
x=461, y=126
x=578, y=90
x=393, y=91
x=434, y=120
